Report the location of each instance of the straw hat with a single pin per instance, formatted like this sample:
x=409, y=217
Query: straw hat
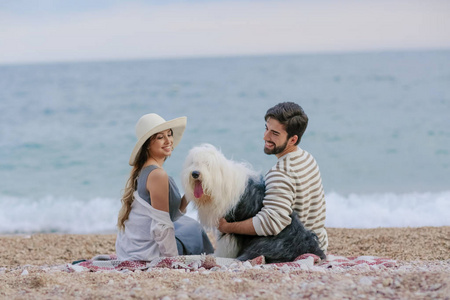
x=150, y=124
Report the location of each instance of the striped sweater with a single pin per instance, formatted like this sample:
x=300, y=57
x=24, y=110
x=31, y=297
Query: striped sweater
x=294, y=183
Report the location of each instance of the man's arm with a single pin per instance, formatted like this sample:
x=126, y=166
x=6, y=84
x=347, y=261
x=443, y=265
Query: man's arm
x=275, y=214
x=242, y=227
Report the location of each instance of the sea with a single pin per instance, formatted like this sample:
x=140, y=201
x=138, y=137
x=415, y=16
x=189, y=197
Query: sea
x=379, y=128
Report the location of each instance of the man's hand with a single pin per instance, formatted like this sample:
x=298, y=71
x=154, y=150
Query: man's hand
x=223, y=225
x=243, y=227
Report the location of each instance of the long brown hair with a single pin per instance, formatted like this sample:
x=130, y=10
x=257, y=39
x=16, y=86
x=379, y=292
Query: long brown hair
x=131, y=185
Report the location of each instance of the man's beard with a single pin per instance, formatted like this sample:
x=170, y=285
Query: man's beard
x=275, y=150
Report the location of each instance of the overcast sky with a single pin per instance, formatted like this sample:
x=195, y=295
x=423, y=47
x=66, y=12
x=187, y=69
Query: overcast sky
x=80, y=30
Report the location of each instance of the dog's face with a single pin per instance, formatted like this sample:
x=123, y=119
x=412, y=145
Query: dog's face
x=202, y=174
x=200, y=197
x=212, y=182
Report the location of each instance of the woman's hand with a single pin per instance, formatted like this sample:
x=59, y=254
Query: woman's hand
x=183, y=204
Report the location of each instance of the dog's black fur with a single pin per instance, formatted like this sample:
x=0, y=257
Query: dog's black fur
x=286, y=246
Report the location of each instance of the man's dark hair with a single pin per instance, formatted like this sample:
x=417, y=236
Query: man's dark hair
x=291, y=116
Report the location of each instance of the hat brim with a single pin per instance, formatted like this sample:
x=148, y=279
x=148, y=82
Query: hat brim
x=177, y=125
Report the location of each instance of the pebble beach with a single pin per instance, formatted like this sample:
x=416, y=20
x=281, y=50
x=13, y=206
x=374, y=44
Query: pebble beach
x=33, y=267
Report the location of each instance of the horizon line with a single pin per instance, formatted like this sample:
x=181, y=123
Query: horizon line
x=224, y=56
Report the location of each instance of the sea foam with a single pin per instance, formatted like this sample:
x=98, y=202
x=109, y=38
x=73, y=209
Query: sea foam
x=388, y=210
x=99, y=215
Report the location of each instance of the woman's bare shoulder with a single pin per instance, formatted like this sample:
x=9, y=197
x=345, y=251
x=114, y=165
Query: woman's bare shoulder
x=158, y=174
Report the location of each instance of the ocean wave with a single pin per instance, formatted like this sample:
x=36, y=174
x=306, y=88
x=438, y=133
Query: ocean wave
x=99, y=215
x=59, y=215
x=388, y=210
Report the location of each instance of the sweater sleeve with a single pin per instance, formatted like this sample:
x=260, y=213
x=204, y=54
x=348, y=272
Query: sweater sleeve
x=277, y=204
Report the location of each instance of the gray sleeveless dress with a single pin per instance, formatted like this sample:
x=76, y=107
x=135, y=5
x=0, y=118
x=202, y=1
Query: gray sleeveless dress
x=190, y=237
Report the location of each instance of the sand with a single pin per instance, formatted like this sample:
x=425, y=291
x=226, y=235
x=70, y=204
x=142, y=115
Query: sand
x=30, y=268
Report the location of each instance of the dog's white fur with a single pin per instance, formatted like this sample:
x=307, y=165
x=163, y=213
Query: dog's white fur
x=223, y=182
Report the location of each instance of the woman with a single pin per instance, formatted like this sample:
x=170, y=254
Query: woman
x=151, y=221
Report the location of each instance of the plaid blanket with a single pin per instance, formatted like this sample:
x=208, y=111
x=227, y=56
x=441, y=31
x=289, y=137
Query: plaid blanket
x=209, y=262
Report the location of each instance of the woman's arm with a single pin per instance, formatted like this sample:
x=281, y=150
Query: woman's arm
x=162, y=226
x=158, y=187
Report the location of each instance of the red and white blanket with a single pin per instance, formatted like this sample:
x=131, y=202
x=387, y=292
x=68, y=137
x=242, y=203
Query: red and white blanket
x=209, y=262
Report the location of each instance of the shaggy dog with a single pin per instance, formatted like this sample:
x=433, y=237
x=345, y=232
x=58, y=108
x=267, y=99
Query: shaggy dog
x=225, y=188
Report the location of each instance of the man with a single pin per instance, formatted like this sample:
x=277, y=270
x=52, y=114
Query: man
x=294, y=183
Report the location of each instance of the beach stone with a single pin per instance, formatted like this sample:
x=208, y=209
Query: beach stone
x=397, y=282
x=234, y=265
x=365, y=280
x=387, y=281
x=77, y=269
x=199, y=291
x=135, y=291
x=435, y=287
x=24, y=272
